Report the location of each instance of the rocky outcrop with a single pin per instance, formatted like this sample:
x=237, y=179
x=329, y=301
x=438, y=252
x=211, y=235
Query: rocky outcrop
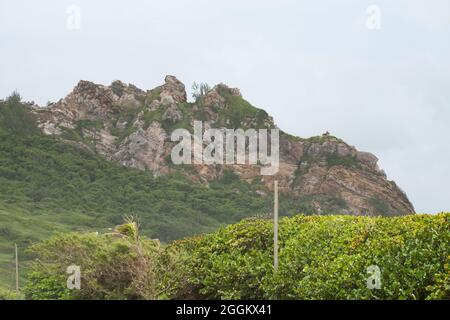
x=172, y=113
x=173, y=91
x=143, y=149
x=132, y=127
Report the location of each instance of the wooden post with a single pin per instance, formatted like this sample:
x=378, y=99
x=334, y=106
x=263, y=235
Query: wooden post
x=17, y=269
x=275, y=226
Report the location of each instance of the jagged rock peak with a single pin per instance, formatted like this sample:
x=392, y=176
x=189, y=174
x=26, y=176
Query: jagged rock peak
x=172, y=80
x=133, y=127
x=172, y=91
x=88, y=88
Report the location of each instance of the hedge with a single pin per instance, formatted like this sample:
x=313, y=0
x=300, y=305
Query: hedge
x=321, y=257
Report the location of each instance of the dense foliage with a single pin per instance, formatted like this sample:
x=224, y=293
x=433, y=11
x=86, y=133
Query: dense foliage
x=115, y=265
x=45, y=175
x=6, y=294
x=48, y=185
x=321, y=257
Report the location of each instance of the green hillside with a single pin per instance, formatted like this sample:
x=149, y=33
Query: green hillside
x=47, y=185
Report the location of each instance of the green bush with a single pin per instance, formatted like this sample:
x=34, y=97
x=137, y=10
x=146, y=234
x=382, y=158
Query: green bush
x=441, y=288
x=6, y=294
x=321, y=257
x=15, y=118
x=199, y=90
x=116, y=265
x=335, y=159
x=380, y=206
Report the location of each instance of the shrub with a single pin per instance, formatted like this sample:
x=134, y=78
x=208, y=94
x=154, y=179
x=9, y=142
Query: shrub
x=116, y=265
x=321, y=257
x=229, y=177
x=6, y=294
x=199, y=90
x=441, y=289
x=15, y=117
x=335, y=159
x=381, y=207
x=117, y=87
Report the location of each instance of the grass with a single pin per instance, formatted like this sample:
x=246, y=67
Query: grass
x=24, y=229
x=380, y=206
x=48, y=186
x=238, y=113
x=338, y=160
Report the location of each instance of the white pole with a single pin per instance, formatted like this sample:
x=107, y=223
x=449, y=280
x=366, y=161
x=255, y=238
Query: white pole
x=275, y=227
x=17, y=269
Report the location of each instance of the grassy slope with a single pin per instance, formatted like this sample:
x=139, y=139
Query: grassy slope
x=47, y=186
x=18, y=226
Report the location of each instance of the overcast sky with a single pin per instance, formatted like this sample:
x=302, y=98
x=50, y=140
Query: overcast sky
x=382, y=85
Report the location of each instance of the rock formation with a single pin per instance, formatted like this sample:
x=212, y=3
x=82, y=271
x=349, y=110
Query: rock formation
x=132, y=127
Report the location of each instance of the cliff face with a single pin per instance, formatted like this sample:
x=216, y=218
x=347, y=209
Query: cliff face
x=130, y=126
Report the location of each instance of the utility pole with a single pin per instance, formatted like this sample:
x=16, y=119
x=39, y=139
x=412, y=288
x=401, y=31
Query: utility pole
x=275, y=226
x=17, y=269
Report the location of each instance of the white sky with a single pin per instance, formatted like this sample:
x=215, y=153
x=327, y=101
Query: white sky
x=313, y=65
